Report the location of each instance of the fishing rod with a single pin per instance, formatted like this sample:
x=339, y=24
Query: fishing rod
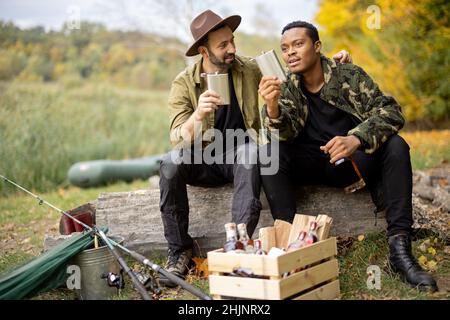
x=188, y=287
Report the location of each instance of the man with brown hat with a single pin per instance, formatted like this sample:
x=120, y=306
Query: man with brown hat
x=194, y=113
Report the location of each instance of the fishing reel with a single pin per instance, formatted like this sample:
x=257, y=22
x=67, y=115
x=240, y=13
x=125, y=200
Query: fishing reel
x=148, y=281
x=114, y=280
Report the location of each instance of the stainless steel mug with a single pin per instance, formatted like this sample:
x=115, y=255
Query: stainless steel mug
x=219, y=84
x=270, y=66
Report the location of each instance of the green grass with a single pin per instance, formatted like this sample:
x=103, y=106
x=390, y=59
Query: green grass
x=373, y=250
x=23, y=222
x=45, y=128
x=422, y=161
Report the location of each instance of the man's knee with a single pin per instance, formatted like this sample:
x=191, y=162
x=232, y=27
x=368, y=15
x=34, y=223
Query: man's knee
x=170, y=165
x=247, y=154
x=396, y=147
x=272, y=157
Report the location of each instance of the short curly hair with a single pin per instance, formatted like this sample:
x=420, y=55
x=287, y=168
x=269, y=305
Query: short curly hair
x=311, y=29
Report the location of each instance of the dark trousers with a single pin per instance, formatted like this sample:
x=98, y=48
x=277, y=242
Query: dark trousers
x=175, y=175
x=302, y=164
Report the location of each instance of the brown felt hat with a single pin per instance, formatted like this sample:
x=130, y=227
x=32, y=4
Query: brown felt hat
x=204, y=23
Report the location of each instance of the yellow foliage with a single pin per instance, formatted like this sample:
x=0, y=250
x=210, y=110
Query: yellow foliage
x=56, y=54
x=423, y=260
x=59, y=70
x=344, y=25
x=419, y=139
x=335, y=15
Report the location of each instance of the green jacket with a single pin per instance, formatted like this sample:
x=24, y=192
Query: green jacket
x=189, y=85
x=349, y=88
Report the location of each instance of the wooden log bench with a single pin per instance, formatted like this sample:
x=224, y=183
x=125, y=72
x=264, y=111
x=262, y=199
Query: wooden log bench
x=135, y=215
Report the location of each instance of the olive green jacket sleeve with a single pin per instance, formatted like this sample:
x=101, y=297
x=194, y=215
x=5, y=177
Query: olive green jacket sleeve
x=180, y=108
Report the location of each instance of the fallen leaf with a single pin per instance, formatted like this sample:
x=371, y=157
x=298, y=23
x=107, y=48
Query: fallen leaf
x=136, y=267
x=373, y=258
x=443, y=182
x=24, y=241
x=423, y=260
x=361, y=237
x=432, y=251
x=9, y=227
x=431, y=265
x=201, y=267
x=422, y=248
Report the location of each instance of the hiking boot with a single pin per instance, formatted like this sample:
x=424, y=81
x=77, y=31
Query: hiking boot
x=178, y=263
x=403, y=262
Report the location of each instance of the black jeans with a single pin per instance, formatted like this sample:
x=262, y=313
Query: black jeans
x=174, y=176
x=302, y=164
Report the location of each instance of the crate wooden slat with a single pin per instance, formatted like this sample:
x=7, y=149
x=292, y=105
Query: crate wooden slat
x=273, y=289
x=244, y=287
x=328, y=291
x=320, y=268
x=218, y=261
x=311, y=254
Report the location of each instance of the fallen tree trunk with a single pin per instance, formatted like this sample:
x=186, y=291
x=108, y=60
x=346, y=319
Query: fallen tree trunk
x=136, y=217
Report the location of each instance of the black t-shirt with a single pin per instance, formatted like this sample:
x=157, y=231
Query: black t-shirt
x=324, y=122
x=229, y=116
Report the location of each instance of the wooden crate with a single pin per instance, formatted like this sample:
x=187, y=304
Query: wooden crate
x=317, y=280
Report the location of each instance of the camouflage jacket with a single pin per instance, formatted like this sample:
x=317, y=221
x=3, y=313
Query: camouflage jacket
x=349, y=88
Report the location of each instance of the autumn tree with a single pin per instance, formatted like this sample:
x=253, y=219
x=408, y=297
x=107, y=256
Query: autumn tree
x=403, y=44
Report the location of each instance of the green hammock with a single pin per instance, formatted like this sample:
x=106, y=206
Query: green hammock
x=45, y=272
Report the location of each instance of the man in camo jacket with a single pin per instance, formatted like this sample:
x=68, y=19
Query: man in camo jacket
x=331, y=120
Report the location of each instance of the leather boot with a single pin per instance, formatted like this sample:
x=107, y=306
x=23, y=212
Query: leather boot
x=178, y=263
x=403, y=262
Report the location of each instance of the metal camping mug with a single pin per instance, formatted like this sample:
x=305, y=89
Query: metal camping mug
x=270, y=66
x=219, y=84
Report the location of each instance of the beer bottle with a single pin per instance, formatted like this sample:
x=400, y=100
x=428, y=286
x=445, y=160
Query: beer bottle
x=312, y=234
x=258, y=248
x=298, y=243
x=232, y=243
x=244, y=238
